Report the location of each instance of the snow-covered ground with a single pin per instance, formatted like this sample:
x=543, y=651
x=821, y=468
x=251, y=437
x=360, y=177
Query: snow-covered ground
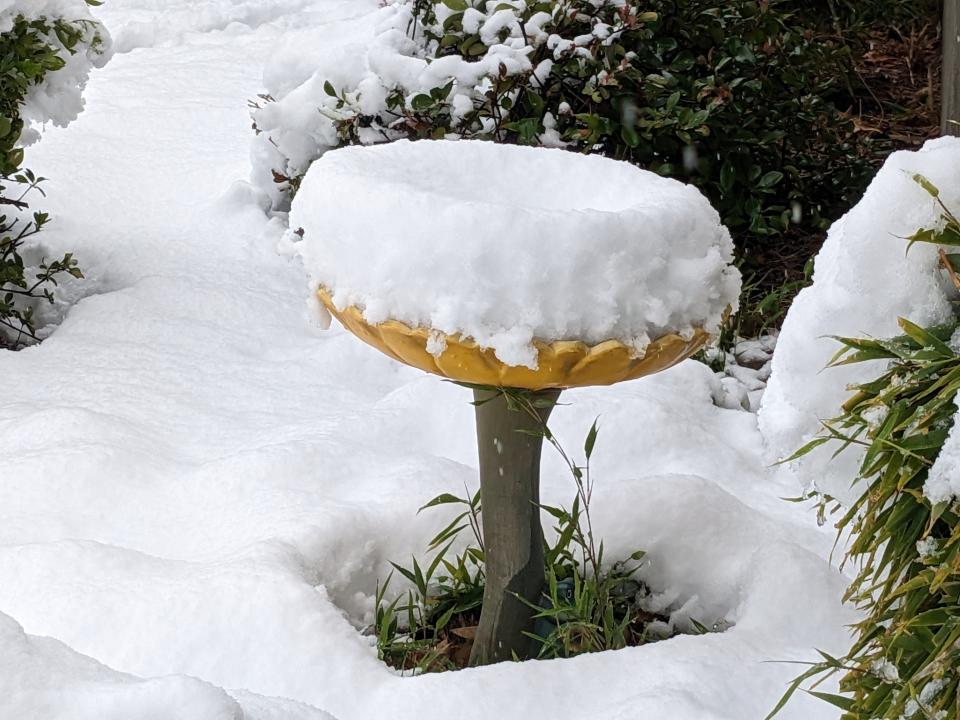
x=198, y=488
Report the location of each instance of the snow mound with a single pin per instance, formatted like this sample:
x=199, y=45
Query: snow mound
x=42, y=678
x=508, y=244
x=863, y=281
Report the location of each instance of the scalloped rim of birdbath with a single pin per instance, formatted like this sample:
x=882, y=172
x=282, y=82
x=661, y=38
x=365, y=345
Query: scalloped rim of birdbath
x=560, y=364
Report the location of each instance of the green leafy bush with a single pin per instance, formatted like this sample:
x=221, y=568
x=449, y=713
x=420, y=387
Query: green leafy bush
x=905, y=661
x=29, y=52
x=735, y=96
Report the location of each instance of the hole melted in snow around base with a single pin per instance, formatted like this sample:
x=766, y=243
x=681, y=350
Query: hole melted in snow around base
x=676, y=477
x=682, y=585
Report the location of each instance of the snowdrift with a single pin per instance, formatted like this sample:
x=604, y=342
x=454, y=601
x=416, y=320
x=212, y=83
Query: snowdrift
x=864, y=279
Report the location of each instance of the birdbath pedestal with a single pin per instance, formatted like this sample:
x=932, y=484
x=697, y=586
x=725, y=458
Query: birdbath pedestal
x=430, y=253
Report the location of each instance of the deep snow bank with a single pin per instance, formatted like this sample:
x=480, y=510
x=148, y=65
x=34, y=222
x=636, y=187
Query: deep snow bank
x=42, y=678
x=863, y=281
x=507, y=244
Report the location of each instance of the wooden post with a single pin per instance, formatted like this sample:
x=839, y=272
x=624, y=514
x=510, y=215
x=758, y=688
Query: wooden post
x=951, y=68
x=512, y=534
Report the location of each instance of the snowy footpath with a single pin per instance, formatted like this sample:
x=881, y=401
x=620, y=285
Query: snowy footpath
x=199, y=488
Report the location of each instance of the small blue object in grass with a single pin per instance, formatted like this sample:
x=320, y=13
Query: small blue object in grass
x=546, y=625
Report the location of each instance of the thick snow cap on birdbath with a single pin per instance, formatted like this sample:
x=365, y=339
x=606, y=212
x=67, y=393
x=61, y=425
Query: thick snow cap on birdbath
x=508, y=249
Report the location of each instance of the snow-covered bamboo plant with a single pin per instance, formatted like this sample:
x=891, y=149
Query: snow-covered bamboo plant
x=905, y=524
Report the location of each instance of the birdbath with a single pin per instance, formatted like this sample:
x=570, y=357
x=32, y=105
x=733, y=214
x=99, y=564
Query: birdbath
x=513, y=267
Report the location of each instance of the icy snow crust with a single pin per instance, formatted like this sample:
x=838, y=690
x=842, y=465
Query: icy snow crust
x=507, y=244
x=194, y=483
x=863, y=281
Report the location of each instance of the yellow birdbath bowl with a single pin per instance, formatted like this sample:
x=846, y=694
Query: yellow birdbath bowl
x=560, y=364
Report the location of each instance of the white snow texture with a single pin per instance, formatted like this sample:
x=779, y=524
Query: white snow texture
x=43, y=679
x=943, y=482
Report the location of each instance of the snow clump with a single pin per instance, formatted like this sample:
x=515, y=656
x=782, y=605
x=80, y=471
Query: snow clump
x=928, y=548
x=885, y=670
x=507, y=244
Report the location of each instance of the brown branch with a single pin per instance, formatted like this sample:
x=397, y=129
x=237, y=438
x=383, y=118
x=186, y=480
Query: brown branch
x=19, y=204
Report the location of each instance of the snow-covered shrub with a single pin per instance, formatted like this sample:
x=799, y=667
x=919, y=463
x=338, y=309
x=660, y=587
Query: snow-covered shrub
x=725, y=95
x=905, y=661
x=47, y=49
x=862, y=282
x=905, y=524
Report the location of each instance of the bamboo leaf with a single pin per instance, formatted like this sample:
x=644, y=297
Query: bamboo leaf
x=591, y=440
x=443, y=499
x=806, y=449
x=923, y=182
x=924, y=337
x=844, y=703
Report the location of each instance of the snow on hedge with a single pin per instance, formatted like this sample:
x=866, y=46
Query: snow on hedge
x=396, y=64
x=507, y=244
x=299, y=124
x=863, y=281
x=58, y=99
